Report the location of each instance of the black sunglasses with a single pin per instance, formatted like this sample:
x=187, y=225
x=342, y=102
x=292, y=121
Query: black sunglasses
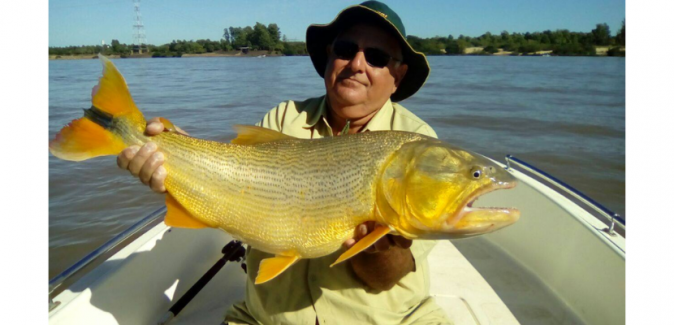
x=346, y=50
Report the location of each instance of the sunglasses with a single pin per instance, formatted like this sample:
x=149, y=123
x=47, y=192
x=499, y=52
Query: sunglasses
x=347, y=50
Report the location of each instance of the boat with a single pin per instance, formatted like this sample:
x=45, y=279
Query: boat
x=563, y=262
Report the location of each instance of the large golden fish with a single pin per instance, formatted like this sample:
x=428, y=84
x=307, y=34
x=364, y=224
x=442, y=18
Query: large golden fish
x=299, y=198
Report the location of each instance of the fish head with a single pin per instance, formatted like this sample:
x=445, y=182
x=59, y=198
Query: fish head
x=427, y=189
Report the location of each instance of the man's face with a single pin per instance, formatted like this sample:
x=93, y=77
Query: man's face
x=355, y=89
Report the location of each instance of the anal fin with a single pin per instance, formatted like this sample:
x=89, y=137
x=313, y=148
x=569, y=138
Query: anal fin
x=273, y=266
x=363, y=244
x=178, y=216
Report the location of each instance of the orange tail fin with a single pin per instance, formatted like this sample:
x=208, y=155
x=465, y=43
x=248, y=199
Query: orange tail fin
x=100, y=132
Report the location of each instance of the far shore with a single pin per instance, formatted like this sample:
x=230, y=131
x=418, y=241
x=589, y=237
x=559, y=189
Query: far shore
x=601, y=51
x=149, y=55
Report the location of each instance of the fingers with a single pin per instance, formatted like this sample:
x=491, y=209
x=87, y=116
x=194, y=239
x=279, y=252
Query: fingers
x=151, y=164
x=141, y=157
x=154, y=127
x=146, y=162
x=157, y=180
x=382, y=244
x=401, y=241
x=124, y=158
x=349, y=242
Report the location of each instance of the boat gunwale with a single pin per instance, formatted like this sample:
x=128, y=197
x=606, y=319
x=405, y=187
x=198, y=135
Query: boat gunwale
x=63, y=280
x=609, y=216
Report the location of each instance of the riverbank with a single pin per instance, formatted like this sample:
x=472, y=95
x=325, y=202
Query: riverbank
x=600, y=51
x=186, y=55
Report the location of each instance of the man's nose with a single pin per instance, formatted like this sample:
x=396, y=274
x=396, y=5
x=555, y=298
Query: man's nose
x=358, y=63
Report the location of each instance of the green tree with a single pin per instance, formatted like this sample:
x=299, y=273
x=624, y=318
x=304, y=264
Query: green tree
x=275, y=32
x=486, y=39
x=260, y=37
x=115, y=47
x=239, y=36
x=529, y=47
x=491, y=49
x=456, y=47
x=601, y=34
x=620, y=38
x=505, y=36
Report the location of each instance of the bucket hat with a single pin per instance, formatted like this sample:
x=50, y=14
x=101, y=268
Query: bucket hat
x=374, y=12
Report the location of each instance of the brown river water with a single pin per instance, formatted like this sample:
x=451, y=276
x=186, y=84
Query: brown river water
x=565, y=115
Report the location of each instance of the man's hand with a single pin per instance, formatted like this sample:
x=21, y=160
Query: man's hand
x=146, y=162
x=384, y=263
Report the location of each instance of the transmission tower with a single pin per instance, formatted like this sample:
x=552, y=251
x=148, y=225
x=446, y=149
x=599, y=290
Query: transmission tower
x=139, y=41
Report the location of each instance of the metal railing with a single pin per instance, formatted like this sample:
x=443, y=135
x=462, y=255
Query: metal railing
x=103, y=251
x=610, y=216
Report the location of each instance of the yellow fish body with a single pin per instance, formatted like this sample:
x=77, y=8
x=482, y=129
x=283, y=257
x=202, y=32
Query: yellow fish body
x=299, y=198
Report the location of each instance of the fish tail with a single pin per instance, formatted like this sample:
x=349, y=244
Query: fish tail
x=103, y=129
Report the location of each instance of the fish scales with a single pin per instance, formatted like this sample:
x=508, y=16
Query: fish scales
x=306, y=195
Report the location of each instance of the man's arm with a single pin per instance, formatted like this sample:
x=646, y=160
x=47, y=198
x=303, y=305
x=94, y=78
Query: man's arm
x=383, y=264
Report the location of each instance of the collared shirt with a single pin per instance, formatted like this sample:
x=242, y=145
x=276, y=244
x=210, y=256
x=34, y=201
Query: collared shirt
x=311, y=290
x=308, y=119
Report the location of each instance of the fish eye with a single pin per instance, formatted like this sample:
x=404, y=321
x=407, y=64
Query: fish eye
x=477, y=173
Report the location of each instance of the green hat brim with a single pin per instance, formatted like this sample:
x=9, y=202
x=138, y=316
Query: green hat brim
x=320, y=36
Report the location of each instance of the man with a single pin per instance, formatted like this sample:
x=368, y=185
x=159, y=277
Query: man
x=366, y=63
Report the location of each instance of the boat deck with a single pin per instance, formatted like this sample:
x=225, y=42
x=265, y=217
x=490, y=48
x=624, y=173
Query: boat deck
x=526, y=296
x=113, y=294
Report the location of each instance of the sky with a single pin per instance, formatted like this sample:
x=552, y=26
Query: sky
x=88, y=22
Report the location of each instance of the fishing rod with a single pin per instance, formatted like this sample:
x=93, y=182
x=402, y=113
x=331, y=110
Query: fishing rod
x=233, y=252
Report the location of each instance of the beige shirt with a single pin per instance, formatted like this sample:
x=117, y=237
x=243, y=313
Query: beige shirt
x=310, y=290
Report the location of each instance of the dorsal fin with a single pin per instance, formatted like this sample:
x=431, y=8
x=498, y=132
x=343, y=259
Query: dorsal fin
x=250, y=134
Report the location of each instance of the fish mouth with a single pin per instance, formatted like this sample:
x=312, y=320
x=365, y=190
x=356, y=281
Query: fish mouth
x=471, y=221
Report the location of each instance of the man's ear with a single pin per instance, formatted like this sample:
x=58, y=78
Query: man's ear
x=398, y=74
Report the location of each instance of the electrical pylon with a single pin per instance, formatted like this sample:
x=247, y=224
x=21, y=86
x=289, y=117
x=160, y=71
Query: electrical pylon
x=139, y=41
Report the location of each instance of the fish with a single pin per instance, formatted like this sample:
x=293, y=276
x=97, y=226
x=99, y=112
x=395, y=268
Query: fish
x=299, y=198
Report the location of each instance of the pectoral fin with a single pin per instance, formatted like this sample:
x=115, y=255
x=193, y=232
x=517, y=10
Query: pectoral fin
x=178, y=216
x=168, y=125
x=273, y=266
x=363, y=244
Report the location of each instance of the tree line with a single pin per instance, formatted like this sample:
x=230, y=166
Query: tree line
x=560, y=42
x=268, y=38
x=255, y=38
